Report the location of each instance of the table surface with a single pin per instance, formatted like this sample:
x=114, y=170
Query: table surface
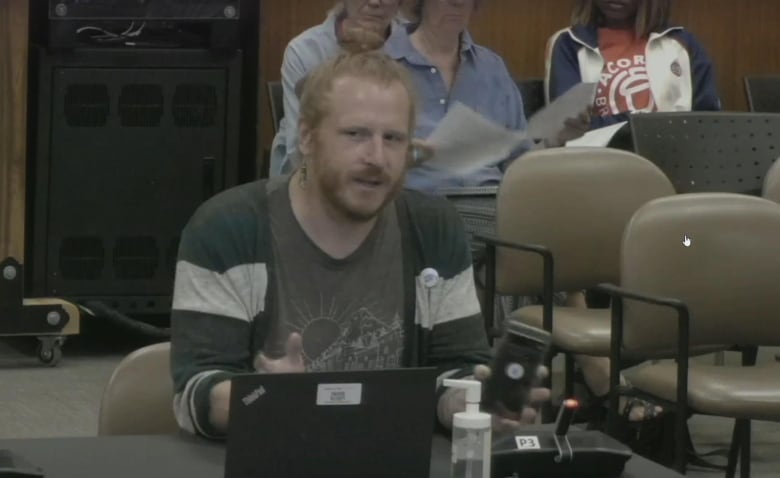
x=164, y=456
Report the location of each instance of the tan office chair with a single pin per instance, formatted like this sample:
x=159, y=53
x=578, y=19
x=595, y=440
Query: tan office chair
x=570, y=205
x=138, y=399
x=761, y=93
x=720, y=288
x=771, y=191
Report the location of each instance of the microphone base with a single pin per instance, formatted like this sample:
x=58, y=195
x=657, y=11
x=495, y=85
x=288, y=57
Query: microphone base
x=537, y=452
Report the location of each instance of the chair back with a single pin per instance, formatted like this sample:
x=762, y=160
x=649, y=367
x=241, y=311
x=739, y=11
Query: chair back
x=276, y=102
x=532, y=91
x=763, y=93
x=727, y=274
x=138, y=399
x=771, y=189
x=576, y=202
x=709, y=151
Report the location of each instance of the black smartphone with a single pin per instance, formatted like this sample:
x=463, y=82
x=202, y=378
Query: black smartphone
x=514, y=370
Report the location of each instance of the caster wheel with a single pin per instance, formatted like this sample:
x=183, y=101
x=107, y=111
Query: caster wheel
x=50, y=355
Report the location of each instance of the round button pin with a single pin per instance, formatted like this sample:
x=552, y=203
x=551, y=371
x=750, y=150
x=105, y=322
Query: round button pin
x=430, y=277
x=515, y=371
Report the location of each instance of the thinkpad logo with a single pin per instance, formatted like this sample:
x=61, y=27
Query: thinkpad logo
x=252, y=397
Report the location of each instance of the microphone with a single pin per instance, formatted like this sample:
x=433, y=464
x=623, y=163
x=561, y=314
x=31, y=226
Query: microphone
x=565, y=416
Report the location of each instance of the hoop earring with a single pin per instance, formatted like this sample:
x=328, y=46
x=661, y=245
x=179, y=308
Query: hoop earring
x=303, y=174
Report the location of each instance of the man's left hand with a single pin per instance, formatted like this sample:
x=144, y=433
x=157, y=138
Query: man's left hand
x=454, y=401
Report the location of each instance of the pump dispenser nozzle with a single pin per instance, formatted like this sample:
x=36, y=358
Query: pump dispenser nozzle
x=472, y=417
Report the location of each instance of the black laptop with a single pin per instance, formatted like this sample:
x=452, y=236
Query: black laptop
x=353, y=424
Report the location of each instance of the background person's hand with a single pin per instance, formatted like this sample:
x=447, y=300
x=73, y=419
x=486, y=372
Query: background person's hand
x=291, y=362
x=573, y=128
x=421, y=151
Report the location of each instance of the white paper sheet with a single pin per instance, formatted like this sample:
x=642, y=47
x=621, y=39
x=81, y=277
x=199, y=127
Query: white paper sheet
x=598, y=138
x=465, y=141
x=548, y=122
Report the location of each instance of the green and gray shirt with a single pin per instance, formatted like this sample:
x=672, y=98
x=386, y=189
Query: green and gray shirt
x=248, y=275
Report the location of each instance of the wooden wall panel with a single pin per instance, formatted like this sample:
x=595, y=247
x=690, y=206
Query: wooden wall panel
x=711, y=30
x=506, y=27
x=13, y=126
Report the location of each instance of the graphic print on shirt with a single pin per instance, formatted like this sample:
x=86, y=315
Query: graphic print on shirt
x=350, y=338
x=624, y=86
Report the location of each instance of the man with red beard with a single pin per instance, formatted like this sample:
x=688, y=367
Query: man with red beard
x=351, y=25
x=333, y=268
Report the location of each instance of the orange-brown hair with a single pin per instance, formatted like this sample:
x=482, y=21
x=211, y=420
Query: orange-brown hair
x=370, y=65
x=651, y=15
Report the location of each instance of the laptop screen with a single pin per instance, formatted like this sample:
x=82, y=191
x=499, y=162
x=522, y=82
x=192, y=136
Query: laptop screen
x=348, y=424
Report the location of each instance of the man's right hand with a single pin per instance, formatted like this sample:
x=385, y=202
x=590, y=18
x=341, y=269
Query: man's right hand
x=290, y=362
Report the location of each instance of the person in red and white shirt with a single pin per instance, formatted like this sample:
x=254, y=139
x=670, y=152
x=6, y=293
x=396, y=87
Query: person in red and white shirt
x=640, y=63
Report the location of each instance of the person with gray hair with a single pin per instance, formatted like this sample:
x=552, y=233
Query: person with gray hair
x=351, y=25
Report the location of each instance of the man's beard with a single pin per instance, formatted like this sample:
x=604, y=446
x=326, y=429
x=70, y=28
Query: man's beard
x=330, y=185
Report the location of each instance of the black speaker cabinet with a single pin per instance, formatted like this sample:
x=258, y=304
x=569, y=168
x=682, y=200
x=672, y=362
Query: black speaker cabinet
x=128, y=144
x=217, y=21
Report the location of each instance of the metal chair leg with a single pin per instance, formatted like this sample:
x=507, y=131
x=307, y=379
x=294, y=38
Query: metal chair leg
x=744, y=459
x=734, y=449
x=548, y=413
x=568, y=384
x=681, y=445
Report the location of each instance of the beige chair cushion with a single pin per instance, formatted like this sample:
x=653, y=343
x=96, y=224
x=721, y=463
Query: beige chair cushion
x=581, y=331
x=586, y=331
x=138, y=399
x=738, y=392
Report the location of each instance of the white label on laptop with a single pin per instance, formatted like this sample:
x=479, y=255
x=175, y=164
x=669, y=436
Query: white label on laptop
x=339, y=393
x=528, y=443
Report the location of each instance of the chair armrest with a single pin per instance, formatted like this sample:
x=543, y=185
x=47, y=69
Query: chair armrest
x=617, y=291
x=493, y=241
x=547, y=275
x=683, y=350
x=547, y=295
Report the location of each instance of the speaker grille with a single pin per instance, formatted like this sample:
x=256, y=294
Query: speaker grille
x=81, y=258
x=135, y=258
x=141, y=105
x=86, y=105
x=194, y=106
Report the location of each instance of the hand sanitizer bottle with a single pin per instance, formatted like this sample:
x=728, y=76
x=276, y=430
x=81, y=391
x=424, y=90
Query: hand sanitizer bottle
x=471, y=434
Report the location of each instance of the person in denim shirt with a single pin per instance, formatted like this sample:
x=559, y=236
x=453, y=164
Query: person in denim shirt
x=448, y=67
